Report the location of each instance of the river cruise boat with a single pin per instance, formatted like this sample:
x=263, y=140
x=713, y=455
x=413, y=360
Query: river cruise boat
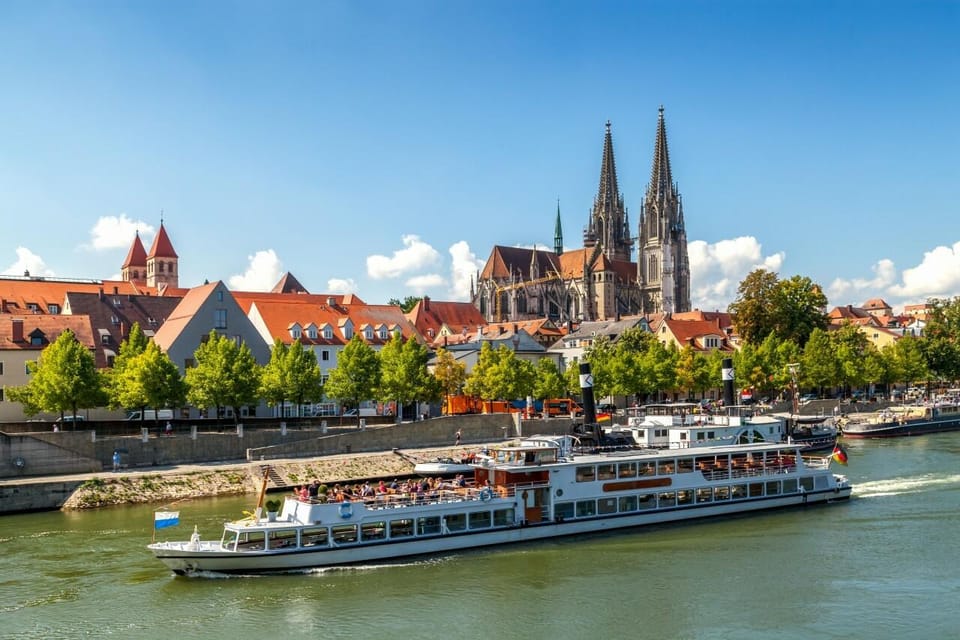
x=538, y=488
x=907, y=420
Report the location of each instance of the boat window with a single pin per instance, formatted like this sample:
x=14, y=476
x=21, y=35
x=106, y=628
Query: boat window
x=480, y=520
x=647, y=501
x=283, y=538
x=428, y=526
x=685, y=496
x=666, y=467
x=711, y=435
x=647, y=468
x=756, y=489
x=641, y=434
x=586, y=508
x=314, y=537
x=251, y=541
x=506, y=517
x=701, y=436
x=773, y=488
x=628, y=503
x=661, y=433
x=705, y=494
x=607, y=505
x=563, y=510
x=229, y=540
x=685, y=465
x=627, y=470
x=738, y=491
x=373, y=531
x=606, y=471
x=721, y=493
x=790, y=486
x=401, y=528
x=586, y=474
x=344, y=533
x=667, y=499
x=820, y=482
x=807, y=484
x=456, y=522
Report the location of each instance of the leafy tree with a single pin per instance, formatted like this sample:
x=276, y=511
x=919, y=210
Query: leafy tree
x=479, y=381
x=549, y=382
x=225, y=375
x=357, y=376
x=799, y=307
x=274, y=382
x=910, y=363
x=449, y=372
x=942, y=338
x=149, y=379
x=752, y=312
x=404, y=375
x=514, y=377
x=65, y=378
x=408, y=303
x=819, y=363
x=303, y=375
x=851, y=347
x=131, y=348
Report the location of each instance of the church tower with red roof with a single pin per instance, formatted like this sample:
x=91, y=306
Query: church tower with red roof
x=162, y=261
x=134, y=268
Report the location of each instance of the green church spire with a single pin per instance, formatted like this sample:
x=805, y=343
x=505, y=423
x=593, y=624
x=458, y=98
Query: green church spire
x=558, y=233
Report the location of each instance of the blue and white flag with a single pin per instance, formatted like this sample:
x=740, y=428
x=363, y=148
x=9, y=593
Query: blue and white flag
x=164, y=519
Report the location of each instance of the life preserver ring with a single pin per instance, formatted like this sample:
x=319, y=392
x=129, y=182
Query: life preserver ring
x=346, y=509
x=486, y=494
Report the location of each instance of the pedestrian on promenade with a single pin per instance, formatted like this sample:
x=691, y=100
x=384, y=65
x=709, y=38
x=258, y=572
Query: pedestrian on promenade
x=116, y=460
x=459, y=437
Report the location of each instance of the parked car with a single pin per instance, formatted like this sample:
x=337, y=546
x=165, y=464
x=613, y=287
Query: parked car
x=807, y=397
x=71, y=419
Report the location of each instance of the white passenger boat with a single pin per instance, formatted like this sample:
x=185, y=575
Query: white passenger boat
x=541, y=487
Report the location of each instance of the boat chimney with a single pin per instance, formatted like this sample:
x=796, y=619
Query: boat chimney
x=727, y=375
x=586, y=389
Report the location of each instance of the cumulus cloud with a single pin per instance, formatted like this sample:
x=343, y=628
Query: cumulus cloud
x=415, y=255
x=420, y=284
x=463, y=266
x=884, y=275
x=717, y=269
x=341, y=285
x=28, y=261
x=263, y=272
x=938, y=274
x=113, y=232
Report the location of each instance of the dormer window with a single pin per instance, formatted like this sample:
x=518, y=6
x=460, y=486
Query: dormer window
x=312, y=332
x=368, y=333
x=328, y=333
x=114, y=320
x=711, y=342
x=295, y=332
x=117, y=303
x=383, y=333
x=348, y=332
x=33, y=307
x=54, y=309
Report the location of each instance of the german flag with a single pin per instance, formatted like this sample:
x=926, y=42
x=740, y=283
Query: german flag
x=604, y=417
x=839, y=454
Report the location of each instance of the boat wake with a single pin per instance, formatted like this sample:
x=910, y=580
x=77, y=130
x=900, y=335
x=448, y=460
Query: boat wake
x=901, y=486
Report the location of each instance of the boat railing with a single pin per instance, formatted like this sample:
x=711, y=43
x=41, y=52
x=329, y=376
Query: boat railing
x=747, y=471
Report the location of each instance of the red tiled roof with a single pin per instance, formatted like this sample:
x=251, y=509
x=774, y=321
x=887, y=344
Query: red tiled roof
x=246, y=298
x=162, y=247
x=17, y=294
x=51, y=326
x=429, y=316
x=182, y=314
x=137, y=256
x=289, y=284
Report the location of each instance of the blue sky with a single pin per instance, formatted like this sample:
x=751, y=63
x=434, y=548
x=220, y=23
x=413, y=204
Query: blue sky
x=383, y=148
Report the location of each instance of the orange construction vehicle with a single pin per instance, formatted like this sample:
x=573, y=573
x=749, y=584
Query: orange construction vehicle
x=561, y=407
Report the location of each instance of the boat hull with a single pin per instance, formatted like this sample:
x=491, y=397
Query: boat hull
x=896, y=429
x=206, y=559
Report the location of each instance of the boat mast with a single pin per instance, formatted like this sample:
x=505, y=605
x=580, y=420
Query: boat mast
x=263, y=491
x=793, y=367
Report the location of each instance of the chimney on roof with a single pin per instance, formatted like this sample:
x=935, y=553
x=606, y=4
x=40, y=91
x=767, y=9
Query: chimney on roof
x=331, y=302
x=426, y=303
x=100, y=292
x=116, y=290
x=514, y=327
x=17, y=329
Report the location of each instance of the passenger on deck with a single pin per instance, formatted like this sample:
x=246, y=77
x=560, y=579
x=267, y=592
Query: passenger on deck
x=313, y=489
x=382, y=487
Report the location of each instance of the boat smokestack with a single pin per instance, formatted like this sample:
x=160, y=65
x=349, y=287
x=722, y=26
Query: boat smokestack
x=586, y=389
x=727, y=375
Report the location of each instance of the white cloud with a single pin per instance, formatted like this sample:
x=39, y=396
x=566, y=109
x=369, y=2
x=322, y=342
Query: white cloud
x=262, y=274
x=416, y=254
x=112, y=232
x=341, y=285
x=938, y=274
x=884, y=275
x=421, y=283
x=28, y=261
x=717, y=269
x=464, y=265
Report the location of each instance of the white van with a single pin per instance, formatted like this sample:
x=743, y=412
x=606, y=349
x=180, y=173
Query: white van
x=151, y=414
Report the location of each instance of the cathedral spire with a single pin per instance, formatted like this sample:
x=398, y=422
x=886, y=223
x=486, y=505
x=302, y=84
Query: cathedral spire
x=608, y=191
x=558, y=233
x=661, y=180
x=607, y=226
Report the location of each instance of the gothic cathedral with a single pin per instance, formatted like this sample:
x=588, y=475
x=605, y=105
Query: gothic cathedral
x=599, y=281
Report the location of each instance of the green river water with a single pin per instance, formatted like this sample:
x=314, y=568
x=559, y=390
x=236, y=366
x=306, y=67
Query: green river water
x=884, y=565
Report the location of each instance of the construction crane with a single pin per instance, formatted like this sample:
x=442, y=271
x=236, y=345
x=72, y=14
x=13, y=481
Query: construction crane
x=552, y=275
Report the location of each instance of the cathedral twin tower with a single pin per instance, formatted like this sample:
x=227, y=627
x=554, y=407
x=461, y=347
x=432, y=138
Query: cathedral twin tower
x=600, y=281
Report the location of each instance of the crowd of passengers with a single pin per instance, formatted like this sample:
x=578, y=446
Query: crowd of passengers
x=413, y=488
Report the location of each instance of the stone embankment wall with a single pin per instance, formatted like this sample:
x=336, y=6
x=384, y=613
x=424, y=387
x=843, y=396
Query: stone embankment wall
x=340, y=457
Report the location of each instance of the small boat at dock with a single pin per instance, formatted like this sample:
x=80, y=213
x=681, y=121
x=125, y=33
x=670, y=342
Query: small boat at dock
x=903, y=420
